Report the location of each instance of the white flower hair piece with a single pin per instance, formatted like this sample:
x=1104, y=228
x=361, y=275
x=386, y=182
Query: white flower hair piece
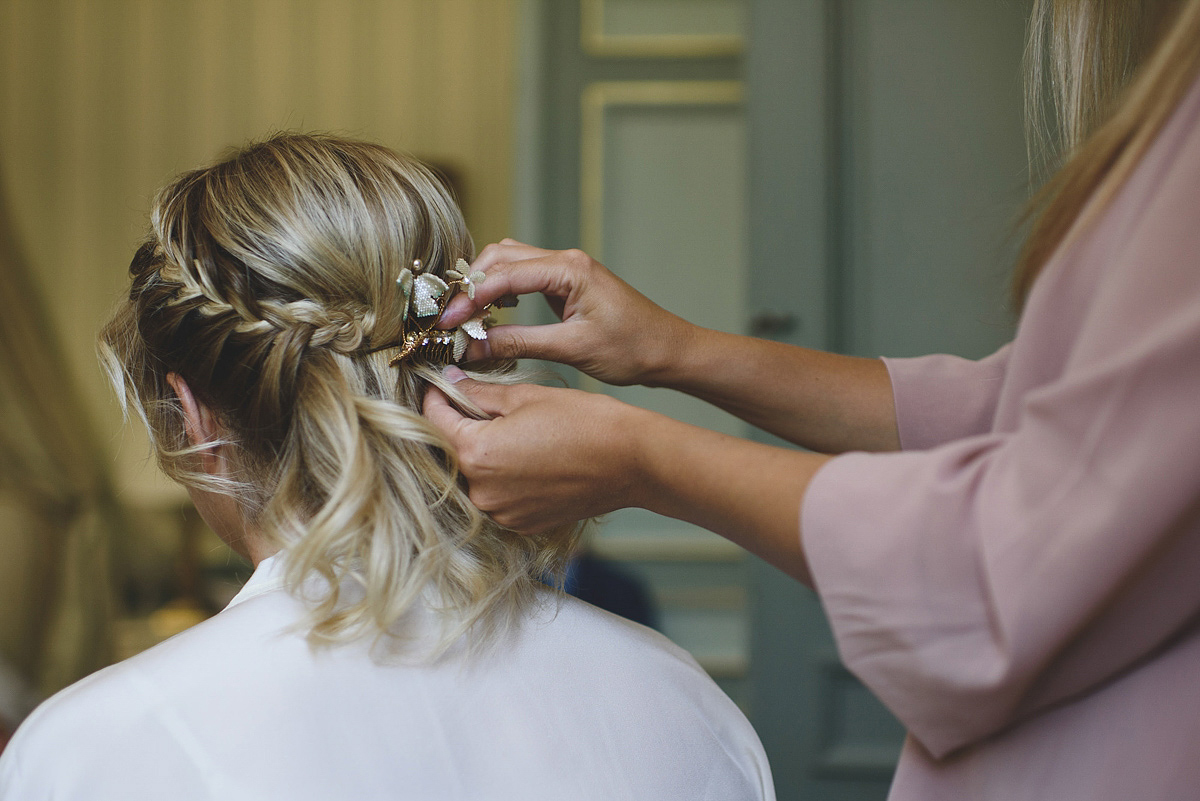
x=427, y=290
x=461, y=274
x=475, y=328
x=405, y=282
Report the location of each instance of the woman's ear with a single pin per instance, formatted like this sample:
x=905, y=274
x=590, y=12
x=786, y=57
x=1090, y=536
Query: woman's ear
x=199, y=421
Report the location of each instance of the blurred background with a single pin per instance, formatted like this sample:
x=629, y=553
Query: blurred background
x=843, y=174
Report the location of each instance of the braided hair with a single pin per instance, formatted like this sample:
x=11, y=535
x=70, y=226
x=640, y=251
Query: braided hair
x=267, y=282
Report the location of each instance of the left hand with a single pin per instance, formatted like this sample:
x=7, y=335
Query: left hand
x=609, y=330
x=547, y=457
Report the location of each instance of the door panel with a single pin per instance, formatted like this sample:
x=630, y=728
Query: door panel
x=933, y=171
x=664, y=203
x=886, y=170
x=877, y=147
x=644, y=166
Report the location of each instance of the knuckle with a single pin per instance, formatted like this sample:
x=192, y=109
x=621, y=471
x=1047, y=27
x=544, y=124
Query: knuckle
x=484, y=503
x=469, y=459
x=581, y=262
x=504, y=347
x=509, y=519
x=481, y=498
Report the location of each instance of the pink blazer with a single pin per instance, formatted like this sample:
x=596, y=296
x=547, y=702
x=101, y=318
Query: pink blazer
x=1021, y=585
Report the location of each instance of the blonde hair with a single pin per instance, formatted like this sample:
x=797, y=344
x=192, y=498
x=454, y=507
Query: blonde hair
x=268, y=282
x=1116, y=70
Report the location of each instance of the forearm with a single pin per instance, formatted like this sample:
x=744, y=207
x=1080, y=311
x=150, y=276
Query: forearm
x=549, y=456
x=822, y=401
x=747, y=492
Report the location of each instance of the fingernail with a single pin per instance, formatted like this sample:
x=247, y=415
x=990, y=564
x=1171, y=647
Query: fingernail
x=454, y=310
x=453, y=374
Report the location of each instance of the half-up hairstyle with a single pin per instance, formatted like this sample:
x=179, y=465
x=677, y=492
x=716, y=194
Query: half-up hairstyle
x=268, y=283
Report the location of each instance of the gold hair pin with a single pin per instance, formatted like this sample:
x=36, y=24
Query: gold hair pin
x=425, y=297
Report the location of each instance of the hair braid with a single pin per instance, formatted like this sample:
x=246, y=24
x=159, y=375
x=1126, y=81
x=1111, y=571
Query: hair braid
x=268, y=283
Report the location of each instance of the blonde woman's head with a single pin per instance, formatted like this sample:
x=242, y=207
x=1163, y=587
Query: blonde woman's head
x=268, y=285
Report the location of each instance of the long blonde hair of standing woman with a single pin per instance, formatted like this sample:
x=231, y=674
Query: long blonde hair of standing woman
x=268, y=282
x=1116, y=70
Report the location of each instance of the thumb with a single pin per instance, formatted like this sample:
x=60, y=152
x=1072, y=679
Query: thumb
x=495, y=400
x=438, y=410
x=530, y=342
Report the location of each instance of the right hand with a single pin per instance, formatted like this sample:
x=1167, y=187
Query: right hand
x=548, y=456
x=609, y=330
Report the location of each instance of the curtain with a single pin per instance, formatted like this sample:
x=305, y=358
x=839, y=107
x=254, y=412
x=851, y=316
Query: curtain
x=102, y=101
x=58, y=513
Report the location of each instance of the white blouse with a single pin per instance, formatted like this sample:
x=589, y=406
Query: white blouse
x=576, y=703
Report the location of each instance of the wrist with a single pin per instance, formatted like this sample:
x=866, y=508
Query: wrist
x=678, y=355
x=641, y=449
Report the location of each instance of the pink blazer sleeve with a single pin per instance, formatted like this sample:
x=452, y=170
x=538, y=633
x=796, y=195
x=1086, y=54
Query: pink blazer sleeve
x=975, y=583
x=941, y=398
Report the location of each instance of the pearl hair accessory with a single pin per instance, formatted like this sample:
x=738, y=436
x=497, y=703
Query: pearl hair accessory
x=425, y=298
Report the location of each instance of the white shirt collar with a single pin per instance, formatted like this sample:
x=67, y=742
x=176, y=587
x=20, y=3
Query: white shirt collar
x=267, y=577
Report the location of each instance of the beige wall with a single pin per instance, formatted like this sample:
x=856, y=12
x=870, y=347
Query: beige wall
x=101, y=101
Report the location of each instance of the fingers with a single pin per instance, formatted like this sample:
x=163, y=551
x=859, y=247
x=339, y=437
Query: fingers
x=548, y=272
x=478, y=350
x=506, y=250
x=503, y=278
x=528, y=342
x=461, y=308
x=439, y=411
x=495, y=400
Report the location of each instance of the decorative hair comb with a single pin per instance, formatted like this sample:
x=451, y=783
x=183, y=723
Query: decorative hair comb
x=425, y=299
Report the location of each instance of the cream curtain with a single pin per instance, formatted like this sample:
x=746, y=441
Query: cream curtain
x=57, y=510
x=103, y=101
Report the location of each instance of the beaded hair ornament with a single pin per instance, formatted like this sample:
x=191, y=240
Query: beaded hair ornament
x=425, y=298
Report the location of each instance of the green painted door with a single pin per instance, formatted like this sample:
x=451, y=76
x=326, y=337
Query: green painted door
x=887, y=167
x=835, y=174
x=633, y=146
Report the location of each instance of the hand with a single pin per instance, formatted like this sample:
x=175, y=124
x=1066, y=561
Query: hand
x=609, y=330
x=548, y=457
